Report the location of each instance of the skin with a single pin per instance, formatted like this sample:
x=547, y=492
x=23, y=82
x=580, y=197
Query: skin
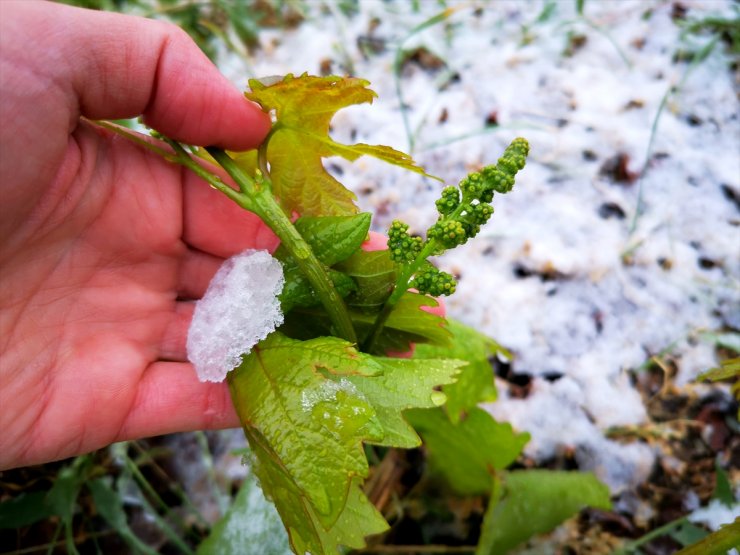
x=102, y=243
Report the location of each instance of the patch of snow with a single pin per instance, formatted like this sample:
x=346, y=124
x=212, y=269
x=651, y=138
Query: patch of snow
x=239, y=309
x=716, y=514
x=557, y=416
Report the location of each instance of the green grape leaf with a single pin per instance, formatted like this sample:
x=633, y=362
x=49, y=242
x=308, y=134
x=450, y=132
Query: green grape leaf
x=404, y=384
x=475, y=383
x=407, y=324
x=415, y=324
x=297, y=291
x=728, y=369
x=332, y=238
x=251, y=526
x=467, y=455
x=303, y=108
x=532, y=502
x=307, y=407
x=280, y=382
x=375, y=274
x=357, y=519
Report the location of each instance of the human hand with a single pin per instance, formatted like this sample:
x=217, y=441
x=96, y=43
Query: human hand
x=101, y=242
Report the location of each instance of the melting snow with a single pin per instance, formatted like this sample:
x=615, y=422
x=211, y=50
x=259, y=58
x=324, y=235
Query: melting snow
x=716, y=514
x=239, y=309
x=326, y=391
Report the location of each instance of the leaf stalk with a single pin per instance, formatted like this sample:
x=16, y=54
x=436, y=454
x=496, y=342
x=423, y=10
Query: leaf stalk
x=401, y=286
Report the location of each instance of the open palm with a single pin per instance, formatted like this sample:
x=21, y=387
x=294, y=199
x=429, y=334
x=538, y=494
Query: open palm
x=102, y=243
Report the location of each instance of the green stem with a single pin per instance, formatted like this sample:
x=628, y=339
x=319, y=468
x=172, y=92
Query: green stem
x=180, y=156
x=402, y=281
x=133, y=136
x=263, y=204
x=401, y=286
x=166, y=529
x=186, y=160
x=650, y=536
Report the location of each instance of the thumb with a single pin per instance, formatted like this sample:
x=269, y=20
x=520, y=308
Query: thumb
x=116, y=66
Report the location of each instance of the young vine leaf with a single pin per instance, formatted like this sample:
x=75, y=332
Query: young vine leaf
x=307, y=407
x=406, y=325
x=529, y=502
x=475, y=383
x=332, y=239
x=303, y=107
x=467, y=455
x=311, y=394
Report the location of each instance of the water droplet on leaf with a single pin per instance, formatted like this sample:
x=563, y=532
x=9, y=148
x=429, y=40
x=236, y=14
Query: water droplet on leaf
x=438, y=398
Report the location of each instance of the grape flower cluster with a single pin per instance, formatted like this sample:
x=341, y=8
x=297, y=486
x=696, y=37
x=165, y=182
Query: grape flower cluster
x=462, y=212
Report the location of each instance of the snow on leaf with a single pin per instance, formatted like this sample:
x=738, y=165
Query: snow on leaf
x=303, y=108
x=239, y=308
x=307, y=407
x=250, y=527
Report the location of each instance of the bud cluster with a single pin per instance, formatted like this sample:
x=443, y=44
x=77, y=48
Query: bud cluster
x=434, y=282
x=401, y=245
x=462, y=212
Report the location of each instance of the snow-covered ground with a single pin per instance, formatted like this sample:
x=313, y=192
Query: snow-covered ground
x=616, y=244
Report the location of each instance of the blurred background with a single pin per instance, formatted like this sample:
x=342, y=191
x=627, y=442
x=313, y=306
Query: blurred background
x=611, y=272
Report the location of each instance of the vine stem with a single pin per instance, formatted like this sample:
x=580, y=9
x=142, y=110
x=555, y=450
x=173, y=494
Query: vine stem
x=263, y=204
x=401, y=286
x=180, y=156
x=402, y=282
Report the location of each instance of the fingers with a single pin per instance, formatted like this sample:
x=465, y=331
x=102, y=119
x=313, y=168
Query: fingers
x=196, y=271
x=375, y=242
x=439, y=310
x=171, y=399
x=173, y=346
x=116, y=66
x=215, y=224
